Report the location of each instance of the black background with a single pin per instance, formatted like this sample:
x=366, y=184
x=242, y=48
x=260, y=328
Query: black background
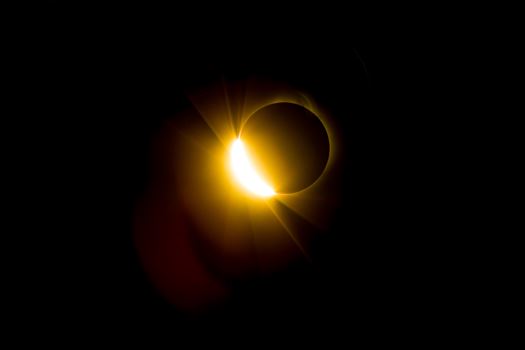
x=101, y=82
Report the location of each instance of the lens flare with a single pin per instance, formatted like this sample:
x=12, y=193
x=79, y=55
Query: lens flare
x=245, y=173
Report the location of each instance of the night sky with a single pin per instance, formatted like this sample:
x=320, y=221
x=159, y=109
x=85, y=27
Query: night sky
x=104, y=79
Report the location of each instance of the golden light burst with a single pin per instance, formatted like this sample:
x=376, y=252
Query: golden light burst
x=217, y=205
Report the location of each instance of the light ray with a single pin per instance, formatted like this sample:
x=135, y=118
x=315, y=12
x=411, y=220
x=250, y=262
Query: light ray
x=205, y=119
x=284, y=200
x=290, y=233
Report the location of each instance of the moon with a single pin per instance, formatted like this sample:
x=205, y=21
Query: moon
x=245, y=173
x=291, y=145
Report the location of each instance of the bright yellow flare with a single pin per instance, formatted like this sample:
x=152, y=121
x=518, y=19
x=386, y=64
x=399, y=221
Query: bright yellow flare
x=245, y=173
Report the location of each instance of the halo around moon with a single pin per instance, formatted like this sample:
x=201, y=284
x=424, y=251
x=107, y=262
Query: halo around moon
x=287, y=144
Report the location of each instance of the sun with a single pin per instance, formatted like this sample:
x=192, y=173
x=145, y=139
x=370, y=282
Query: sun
x=245, y=173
